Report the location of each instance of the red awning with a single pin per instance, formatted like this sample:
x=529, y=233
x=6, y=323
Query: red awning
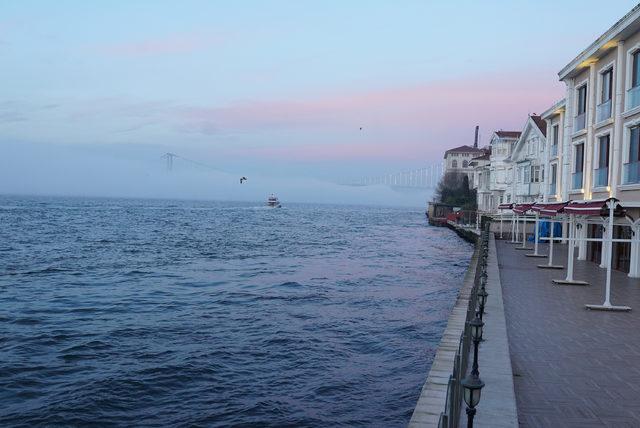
x=549, y=209
x=594, y=208
x=521, y=208
x=505, y=206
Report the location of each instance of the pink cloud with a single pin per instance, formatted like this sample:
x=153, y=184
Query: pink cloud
x=173, y=44
x=423, y=119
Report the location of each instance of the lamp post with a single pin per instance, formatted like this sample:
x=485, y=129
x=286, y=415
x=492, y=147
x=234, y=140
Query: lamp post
x=482, y=300
x=472, y=384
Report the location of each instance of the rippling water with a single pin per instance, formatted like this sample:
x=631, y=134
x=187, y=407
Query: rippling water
x=138, y=312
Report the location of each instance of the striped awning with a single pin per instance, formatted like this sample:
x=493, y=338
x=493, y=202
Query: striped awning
x=521, y=208
x=505, y=206
x=549, y=209
x=594, y=208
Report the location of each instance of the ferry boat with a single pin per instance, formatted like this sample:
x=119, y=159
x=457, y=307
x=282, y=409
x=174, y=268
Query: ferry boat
x=273, y=202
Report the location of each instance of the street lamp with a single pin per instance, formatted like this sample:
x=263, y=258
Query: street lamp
x=482, y=300
x=472, y=386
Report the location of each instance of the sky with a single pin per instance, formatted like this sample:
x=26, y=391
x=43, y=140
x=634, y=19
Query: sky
x=94, y=93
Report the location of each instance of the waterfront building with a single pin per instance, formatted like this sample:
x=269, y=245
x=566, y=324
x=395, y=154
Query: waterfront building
x=457, y=160
x=481, y=180
x=501, y=144
x=601, y=138
x=525, y=164
x=553, y=189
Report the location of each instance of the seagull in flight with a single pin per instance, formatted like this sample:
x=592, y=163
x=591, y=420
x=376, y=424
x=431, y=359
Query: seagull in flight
x=243, y=179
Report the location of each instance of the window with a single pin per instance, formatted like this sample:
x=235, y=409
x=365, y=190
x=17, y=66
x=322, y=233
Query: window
x=632, y=167
x=633, y=93
x=535, y=174
x=582, y=99
x=454, y=164
x=527, y=175
x=554, y=174
x=578, y=163
x=580, y=120
x=607, y=85
x=465, y=163
x=602, y=165
x=635, y=69
x=555, y=130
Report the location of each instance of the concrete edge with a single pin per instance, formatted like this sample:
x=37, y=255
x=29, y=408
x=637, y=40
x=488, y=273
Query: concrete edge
x=433, y=396
x=497, y=406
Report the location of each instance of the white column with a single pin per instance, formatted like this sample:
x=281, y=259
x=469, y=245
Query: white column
x=535, y=238
x=566, y=140
x=588, y=147
x=571, y=249
x=618, y=108
x=582, y=245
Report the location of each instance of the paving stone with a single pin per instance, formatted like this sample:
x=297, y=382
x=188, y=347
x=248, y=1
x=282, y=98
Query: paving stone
x=573, y=367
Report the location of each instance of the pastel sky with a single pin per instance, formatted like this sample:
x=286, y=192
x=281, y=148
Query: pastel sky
x=283, y=87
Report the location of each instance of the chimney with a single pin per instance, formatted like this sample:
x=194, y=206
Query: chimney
x=475, y=142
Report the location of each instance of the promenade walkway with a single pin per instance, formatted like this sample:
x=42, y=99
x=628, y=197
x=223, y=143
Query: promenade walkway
x=572, y=367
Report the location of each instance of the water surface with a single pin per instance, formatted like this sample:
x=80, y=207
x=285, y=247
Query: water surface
x=174, y=313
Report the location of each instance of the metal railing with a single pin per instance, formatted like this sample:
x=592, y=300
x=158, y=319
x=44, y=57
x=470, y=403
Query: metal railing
x=603, y=111
x=450, y=417
x=580, y=122
x=633, y=98
x=601, y=176
x=576, y=180
x=631, y=173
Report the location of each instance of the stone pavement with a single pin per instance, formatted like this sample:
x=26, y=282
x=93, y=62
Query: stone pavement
x=572, y=367
x=497, y=408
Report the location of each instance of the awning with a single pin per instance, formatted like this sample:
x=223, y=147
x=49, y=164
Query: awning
x=594, y=208
x=521, y=208
x=505, y=206
x=549, y=209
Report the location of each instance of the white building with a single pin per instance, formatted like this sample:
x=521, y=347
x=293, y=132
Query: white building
x=457, y=160
x=501, y=144
x=526, y=162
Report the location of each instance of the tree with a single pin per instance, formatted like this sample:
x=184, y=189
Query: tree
x=453, y=189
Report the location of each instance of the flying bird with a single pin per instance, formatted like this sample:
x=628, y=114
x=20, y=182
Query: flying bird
x=243, y=179
x=361, y=128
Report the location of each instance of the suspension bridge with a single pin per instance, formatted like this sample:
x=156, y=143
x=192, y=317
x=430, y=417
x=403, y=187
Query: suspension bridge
x=421, y=178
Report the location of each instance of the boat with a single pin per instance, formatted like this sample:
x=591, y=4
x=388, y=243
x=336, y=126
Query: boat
x=273, y=202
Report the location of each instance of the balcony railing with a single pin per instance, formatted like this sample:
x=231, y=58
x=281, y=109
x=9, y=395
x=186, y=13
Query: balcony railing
x=552, y=189
x=631, y=172
x=633, y=97
x=603, y=111
x=601, y=177
x=576, y=180
x=554, y=150
x=580, y=122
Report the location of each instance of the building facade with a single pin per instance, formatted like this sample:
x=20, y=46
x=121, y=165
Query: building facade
x=501, y=144
x=457, y=160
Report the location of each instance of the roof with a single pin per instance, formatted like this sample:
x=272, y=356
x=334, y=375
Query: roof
x=540, y=123
x=627, y=25
x=508, y=134
x=597, y=207
x=486, y=156
x=464, y=149
x=549, y=209
x=554, y=109
x=521, y=208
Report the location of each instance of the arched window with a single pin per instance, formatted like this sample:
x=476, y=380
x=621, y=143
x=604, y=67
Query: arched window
x=465, y=163
x=454, y=164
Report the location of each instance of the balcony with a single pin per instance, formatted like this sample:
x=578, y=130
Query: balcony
x=603, y=111
x=576, y=180
x=601, y=177
x=633, y=98
x=580, y=122
x=631, y=172
x=552, y=189
x=554, y=150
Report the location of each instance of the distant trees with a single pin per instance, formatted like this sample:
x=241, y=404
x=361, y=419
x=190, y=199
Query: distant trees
x=453, y=189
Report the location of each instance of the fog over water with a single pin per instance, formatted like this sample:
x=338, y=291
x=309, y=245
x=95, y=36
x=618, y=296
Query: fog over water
x=140, y=171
